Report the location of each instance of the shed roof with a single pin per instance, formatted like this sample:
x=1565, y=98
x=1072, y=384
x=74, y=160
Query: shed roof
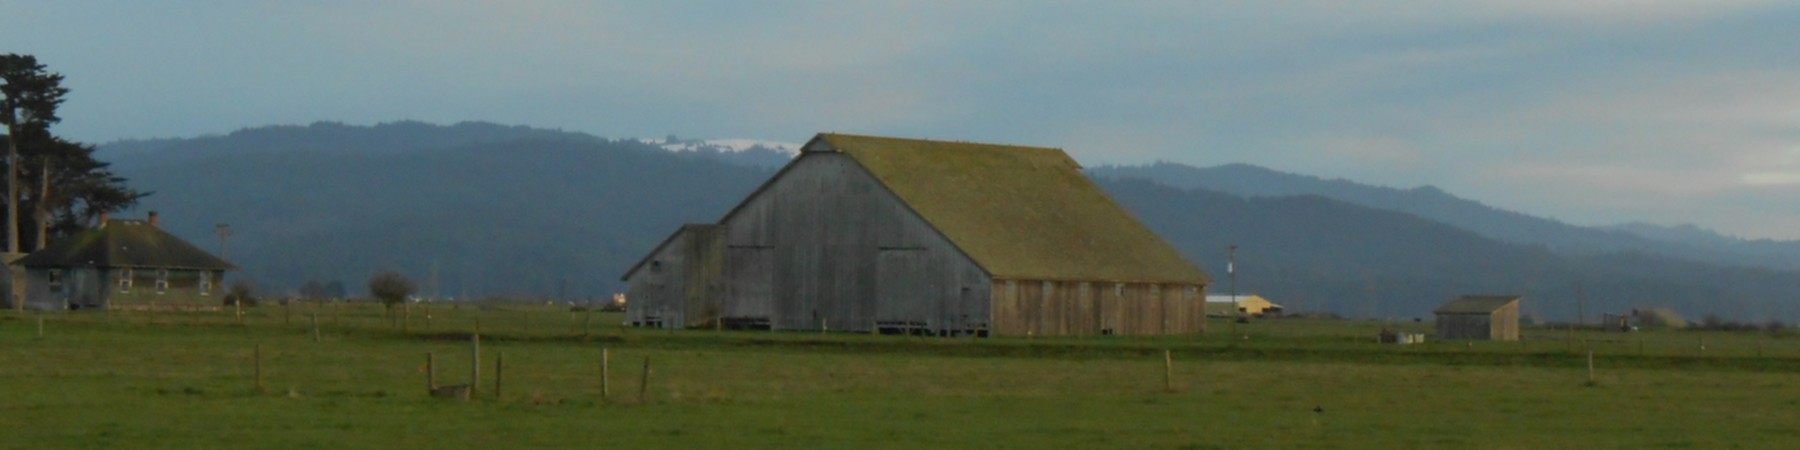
x=1018, y=212
x=124, y=243
x=685, y=228
x=1477, y=304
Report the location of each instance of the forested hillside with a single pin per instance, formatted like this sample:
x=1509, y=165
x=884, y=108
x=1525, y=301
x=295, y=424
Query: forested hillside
x=527, y=217
x=1315, y=253
x=521, y=212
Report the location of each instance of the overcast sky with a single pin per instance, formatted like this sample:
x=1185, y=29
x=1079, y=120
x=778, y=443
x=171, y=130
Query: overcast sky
x=1591, y=112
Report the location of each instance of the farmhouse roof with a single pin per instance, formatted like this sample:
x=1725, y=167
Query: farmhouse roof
x=1018, y=212
x=1477, y=304
x=124, y=243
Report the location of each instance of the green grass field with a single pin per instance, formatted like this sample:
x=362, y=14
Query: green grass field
x=187, y=380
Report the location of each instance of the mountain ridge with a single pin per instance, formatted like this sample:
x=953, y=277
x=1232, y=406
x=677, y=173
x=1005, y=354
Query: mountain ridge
x=561, y=218
x=1432, y=203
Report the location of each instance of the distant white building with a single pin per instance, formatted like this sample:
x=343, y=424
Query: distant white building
x=1247, y=305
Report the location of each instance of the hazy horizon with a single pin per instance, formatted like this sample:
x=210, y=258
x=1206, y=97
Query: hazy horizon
x=1593, y=113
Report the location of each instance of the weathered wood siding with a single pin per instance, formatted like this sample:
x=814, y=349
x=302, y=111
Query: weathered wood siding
x=1463, y=326
x=824, y=244
x=1035, y=307
x=681, y=284
x=1501, y=325
x=1505, y=326
x=1478, y=326
x=703, y=260
x=94, y=288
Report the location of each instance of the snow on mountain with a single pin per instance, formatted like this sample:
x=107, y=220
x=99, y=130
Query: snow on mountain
x=675, y=144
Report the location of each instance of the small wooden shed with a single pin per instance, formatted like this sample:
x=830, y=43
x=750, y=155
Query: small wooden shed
x=1480, y=318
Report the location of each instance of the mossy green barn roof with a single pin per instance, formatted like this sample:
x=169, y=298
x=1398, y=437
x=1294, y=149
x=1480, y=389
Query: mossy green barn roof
x=124, y=243
x=1019, y=212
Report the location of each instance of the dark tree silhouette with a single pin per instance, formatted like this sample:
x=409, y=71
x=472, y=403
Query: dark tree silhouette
x=29, y=95
x=391, y=288
x=72, y=187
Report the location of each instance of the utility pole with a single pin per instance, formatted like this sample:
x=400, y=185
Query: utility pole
x=1231, y=272
x=1580, y=306
x=224, y=231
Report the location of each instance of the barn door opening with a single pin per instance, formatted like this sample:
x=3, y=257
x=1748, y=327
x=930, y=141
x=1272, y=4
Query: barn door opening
x=906, y=298
x=749, y=292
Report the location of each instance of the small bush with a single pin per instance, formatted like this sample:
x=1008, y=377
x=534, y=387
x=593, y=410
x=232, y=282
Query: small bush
x=391, y=288
x=241, y=293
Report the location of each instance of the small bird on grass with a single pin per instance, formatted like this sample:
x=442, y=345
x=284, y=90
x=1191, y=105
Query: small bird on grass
x=1319, y=409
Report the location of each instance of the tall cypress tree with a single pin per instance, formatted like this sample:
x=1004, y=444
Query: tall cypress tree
x=69, y=187
x=29, y=95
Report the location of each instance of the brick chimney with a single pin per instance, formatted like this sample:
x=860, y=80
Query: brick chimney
x=152, y=219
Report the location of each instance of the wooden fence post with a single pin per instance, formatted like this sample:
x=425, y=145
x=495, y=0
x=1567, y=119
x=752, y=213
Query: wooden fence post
x=499, y=374
x=644, y=383
x=1590, y=367
x=430, y=373
x=474, y=363
x=259, y=376
x=315, y=324
x=40, y=329
x=1168, y=371
x=605, y=378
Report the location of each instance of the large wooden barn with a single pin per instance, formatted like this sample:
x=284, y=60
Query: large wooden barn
x=1479, y=317
x=872, y=234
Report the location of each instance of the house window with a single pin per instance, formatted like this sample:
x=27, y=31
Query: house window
x=125, y=280
x=162, y=280
x=56, y=281
x=205, y=283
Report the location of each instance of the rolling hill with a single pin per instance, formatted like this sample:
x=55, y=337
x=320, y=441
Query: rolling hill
x=1435, y=204
x=484, y=210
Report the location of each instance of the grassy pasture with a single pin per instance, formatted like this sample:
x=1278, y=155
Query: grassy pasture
x=185, y=380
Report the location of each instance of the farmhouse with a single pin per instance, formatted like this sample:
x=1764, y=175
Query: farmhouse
x=872, y=234
x=1247, y=304
x=1479, y=317
x=121, y=264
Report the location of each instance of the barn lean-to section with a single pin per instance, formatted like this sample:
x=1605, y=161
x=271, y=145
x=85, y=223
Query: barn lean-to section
x=900, y=235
